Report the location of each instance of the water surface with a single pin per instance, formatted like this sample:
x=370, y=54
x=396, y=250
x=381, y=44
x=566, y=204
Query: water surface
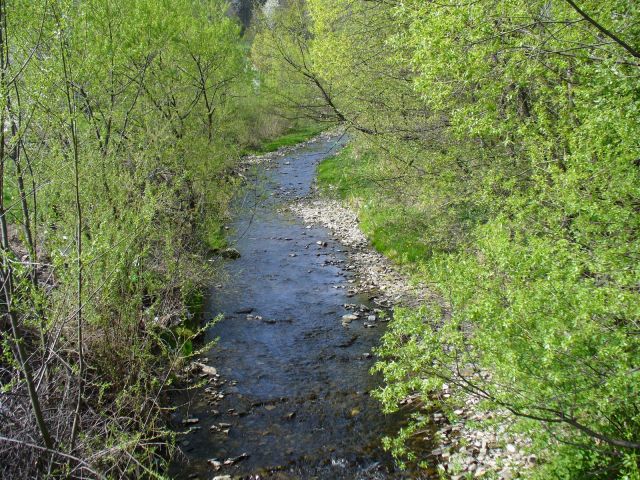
x=296, y=393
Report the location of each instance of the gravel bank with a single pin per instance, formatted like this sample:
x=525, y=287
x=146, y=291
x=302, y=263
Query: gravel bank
x=465, y=450
x=375, y=272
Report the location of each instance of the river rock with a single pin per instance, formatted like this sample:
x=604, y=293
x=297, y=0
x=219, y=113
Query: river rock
x=244, y=310
x=230, y=253
x=506, y=474
x=234, y=460
x=206, y=369
x=349, y=342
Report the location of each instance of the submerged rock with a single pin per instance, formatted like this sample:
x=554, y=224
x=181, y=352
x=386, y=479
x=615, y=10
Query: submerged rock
x=349, y=342
x=234, y=460
x=349, y=318
x=244, y=310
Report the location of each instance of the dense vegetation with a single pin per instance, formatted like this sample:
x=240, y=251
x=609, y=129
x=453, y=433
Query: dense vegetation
x=122, y=120
x=495, y=151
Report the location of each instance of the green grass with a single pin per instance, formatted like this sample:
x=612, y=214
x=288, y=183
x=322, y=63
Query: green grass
x=293, y=137
x=392, y=232
x=214, y=237
x=390, y=227
x=344, y=176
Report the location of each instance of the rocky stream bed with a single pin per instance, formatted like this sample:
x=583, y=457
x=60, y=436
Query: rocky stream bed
x=286, y=392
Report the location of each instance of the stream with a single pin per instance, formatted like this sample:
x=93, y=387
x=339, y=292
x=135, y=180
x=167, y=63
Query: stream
x=292, y=399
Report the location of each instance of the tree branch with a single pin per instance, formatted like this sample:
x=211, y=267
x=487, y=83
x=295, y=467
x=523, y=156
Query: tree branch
x=604, y=30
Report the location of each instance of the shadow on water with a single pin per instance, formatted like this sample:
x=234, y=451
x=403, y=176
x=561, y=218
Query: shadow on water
x=297, y=382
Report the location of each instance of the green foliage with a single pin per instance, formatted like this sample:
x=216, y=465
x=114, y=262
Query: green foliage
x=290, y=138
x=343, y=175
x=495, y=147
x=146, y=100
x=389, y=223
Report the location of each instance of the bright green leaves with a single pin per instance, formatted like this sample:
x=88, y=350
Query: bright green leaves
x=500, y=150
x=147, y=91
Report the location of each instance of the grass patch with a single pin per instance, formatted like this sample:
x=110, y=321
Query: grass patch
x=392, y=227
x=346, y=176
x=293, y=137
x=392, y=232
x=215, y=237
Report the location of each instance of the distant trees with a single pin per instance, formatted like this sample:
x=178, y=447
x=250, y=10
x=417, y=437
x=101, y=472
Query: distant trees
x=502, y=137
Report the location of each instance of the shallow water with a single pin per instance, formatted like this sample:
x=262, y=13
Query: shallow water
x=297, y=380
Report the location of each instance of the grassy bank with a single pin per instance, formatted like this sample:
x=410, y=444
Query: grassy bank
x=288, y=138
x=358, y=178
x=449, y=252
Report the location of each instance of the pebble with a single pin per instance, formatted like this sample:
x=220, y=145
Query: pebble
x=349, y=318
x=206, y=369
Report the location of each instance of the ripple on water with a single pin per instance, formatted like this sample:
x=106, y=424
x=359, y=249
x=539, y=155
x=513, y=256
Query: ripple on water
x=296, y=392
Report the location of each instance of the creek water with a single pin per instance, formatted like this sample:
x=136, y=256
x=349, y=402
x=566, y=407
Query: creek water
x=297, y=383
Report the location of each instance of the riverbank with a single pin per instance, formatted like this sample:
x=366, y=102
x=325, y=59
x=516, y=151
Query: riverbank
x=470, y=440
